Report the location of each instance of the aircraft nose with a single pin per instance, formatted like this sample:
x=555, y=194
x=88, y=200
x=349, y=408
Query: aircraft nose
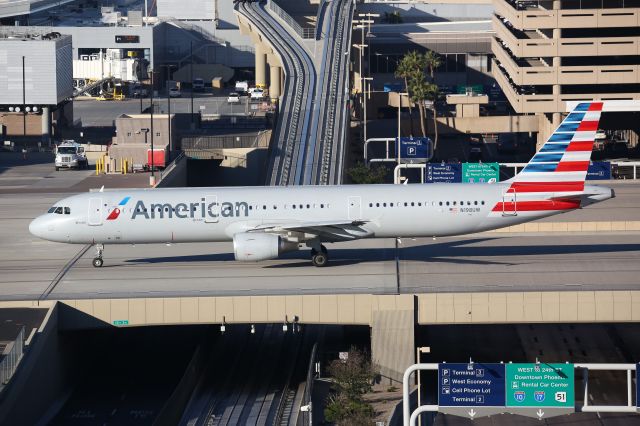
x=38, y=227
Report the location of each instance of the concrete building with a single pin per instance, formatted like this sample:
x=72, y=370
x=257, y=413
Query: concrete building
x=35, y=79
x=548, y=53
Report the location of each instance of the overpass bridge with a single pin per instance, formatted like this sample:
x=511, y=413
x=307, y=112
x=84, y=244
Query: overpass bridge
x=578, y=267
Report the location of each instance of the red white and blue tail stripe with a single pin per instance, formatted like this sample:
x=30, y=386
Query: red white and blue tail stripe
x=554, y=178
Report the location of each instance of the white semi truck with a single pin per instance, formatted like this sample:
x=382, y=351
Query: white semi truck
x=70, y=154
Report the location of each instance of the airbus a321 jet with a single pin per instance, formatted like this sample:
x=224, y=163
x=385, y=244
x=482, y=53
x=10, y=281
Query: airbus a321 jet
x=264, y=222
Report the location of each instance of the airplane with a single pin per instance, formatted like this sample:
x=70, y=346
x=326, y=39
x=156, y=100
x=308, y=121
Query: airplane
x=264, y=222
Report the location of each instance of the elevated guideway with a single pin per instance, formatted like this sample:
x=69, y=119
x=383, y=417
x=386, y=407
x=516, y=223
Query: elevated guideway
x=297, y=95
x=309, y=140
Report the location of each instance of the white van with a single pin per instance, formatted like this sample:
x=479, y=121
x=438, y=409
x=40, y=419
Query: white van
x=70, y=154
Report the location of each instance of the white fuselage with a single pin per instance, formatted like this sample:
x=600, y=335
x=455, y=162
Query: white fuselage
x=217, y=214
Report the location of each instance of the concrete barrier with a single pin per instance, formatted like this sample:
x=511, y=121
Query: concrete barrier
x=600, y=226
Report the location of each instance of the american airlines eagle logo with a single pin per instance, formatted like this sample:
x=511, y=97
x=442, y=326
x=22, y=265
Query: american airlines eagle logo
x=116, y=211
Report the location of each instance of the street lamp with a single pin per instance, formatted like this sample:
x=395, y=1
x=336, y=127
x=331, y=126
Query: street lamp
x=168, y=67
x=400, y=95
x=365, y=80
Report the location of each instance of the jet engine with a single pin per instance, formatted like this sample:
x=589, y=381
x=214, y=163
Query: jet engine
x=253, y=247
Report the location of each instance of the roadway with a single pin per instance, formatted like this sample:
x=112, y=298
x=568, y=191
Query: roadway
x=31, y=268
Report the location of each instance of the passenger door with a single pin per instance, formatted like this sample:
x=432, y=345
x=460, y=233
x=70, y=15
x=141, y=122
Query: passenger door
x=95, y=212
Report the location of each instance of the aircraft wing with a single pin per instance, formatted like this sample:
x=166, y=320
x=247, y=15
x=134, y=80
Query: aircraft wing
x=329, y=230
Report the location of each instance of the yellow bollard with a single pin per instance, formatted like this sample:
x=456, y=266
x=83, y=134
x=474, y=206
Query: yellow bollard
x=124, y=169
x=97, y=167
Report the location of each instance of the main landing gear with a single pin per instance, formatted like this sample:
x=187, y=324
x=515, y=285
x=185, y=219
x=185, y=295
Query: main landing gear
x=97, y=261
x=319, y=257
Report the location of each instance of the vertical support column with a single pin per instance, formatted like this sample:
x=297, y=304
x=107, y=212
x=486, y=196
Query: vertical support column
x=261, y=66
x=46, y=126
x=274, y=81
x=393, y=335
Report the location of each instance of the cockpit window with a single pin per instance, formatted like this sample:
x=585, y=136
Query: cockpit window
x=67, y=210
x=58, y=210
x=52, y=209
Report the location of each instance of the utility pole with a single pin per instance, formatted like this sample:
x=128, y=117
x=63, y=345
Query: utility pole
x=168, y=68
x=24, y=100
x=153, y=176
x=191, y=77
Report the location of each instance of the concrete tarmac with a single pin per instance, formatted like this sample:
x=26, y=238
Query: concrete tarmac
x=484, y=262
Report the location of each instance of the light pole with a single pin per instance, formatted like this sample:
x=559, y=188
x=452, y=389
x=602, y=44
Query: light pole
x=420, y=350
x=365, y=80
x=168, y=67
x=370, y=21
x=400, y=95
x=153, y=176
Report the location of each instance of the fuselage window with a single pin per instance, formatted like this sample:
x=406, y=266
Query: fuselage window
x=264, y=207
x=413, y=204
x=322, y=206
x=406, y=204
x=391, y=204
x=419, y=204
x=250, y=207
x=384, y=204
x=454, y=203
x=475, y=203
x=301, y=206
x=51, y=210
x=377, y=204
x=440, y=202
x=58, y=210
x=308, y=206
x=275, y=207
x=370, y=205
x=294, y=206
x=447, y=203
x=482, y=202
x=67, y=210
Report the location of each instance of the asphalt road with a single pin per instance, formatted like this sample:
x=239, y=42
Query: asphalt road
x=486, y=262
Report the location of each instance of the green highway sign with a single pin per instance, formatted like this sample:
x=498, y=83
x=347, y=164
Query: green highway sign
x=540, y=390
x=121, y=322
x=480, y=172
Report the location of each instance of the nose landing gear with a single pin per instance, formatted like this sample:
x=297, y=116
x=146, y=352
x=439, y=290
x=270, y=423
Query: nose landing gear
x=97, y=261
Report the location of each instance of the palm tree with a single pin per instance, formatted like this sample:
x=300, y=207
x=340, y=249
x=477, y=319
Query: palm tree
x=433, y=62
x=433, y=94
x=406, y=68
x=418, y=93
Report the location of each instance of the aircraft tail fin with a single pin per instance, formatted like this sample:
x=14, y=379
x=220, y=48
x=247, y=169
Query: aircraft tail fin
x=562, y=162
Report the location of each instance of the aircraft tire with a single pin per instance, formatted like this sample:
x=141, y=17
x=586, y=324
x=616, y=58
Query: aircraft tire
x=320, y=259
x=97, y=262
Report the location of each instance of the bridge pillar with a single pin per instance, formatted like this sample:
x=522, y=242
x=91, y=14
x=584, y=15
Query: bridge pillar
x=261, y=66
x=393, y=335
x=274, y=81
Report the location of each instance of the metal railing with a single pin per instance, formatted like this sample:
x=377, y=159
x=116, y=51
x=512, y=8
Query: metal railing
x=164, y=173
x=304, y=33
x=308, y=387
x=624, y=169
x=12, y=356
